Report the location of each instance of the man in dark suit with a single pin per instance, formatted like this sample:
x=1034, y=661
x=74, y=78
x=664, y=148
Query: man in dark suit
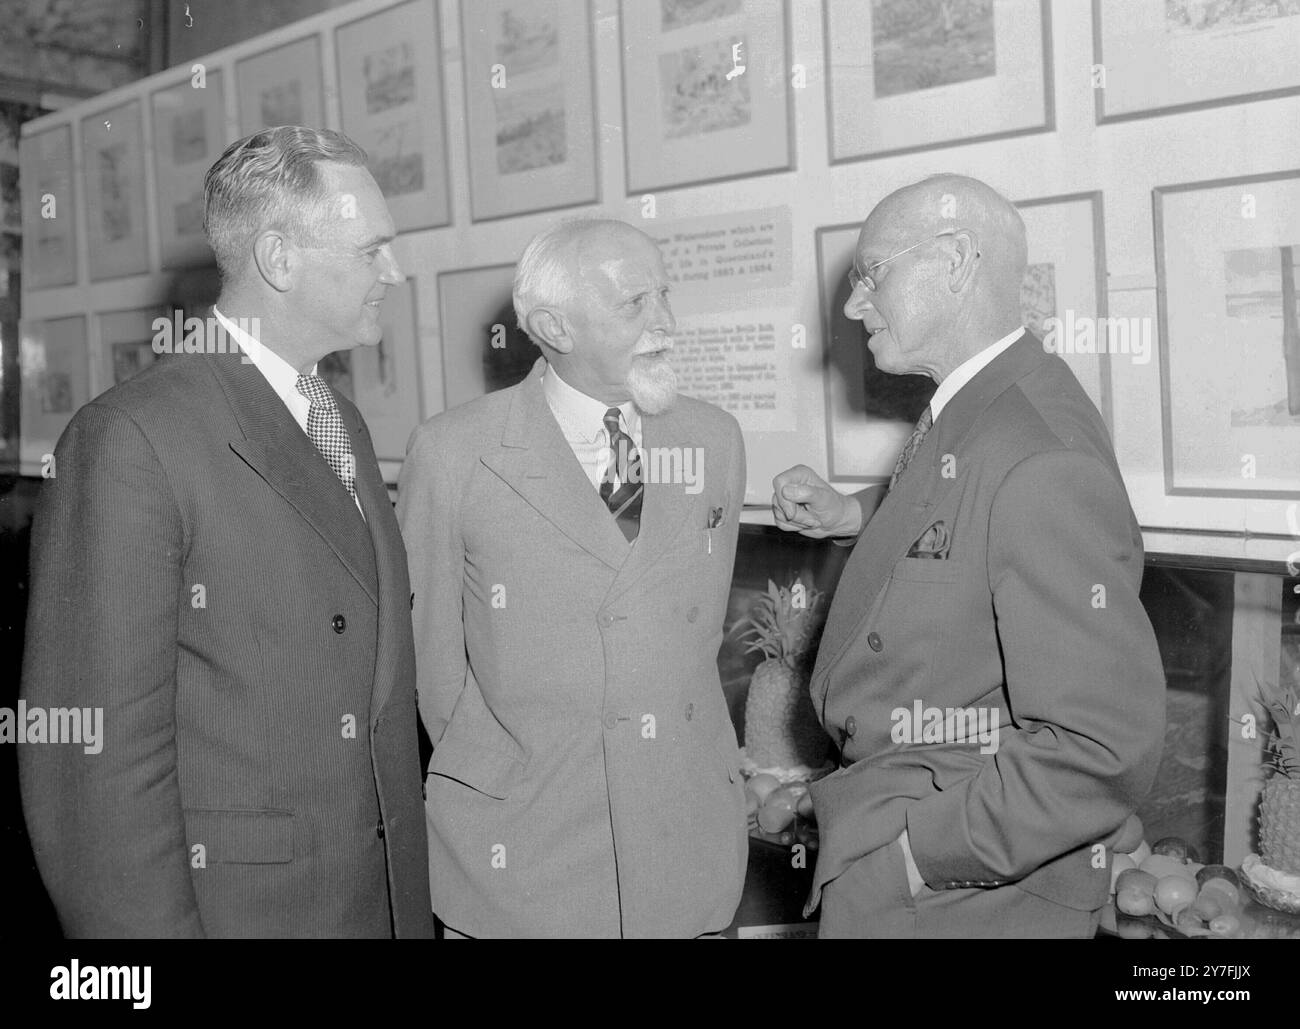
x=216, y=565
x=987, y=667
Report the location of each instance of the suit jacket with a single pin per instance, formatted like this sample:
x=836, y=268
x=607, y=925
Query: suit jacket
x=585, y=777
x=1034, y=615
x=199, y=572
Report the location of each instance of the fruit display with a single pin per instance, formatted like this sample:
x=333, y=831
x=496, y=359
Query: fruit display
x=782, y=733
x=781, y=812
x=1170, y=884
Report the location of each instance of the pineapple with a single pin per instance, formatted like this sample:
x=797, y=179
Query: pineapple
x=781, y=727
x=1279, y=810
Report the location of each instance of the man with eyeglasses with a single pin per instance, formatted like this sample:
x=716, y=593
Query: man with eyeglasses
x=987, y=668
x=216, y=567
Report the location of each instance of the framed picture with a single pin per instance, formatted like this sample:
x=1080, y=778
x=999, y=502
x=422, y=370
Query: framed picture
x=390, y=89
x=281, y=87
x=907, y=75
x=1160, y=56
x=483, y=350
x=125, y=345
x=384, y=380
x=1228, y=290
x=870, y=413
x=112, y=155
x=55, y=382
x=706, y=91
x=530, y=116
x=189, y=133
x=49, y=211
x=1063, y=296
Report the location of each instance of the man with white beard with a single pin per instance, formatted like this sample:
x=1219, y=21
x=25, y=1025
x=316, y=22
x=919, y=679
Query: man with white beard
x=568, y=611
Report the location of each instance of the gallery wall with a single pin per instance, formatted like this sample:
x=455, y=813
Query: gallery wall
x=754, y=186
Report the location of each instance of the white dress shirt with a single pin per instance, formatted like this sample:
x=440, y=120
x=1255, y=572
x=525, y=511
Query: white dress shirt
x=967, y=370
x=279, y=373
x=582, y=420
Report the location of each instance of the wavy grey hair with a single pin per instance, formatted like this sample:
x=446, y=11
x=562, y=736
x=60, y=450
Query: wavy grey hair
x=544, y=275
x=270, y=179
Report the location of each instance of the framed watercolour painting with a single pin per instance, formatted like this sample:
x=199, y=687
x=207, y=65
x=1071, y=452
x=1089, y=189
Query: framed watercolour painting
x=390, y=92
x=906, y=75
x=706, y=91
x=49, y=212
x=189, y=133
x=1228, y=290
x=530, y=113
x=483, y=350
x=1160, y=56
x=281, y=87
x=112, y=156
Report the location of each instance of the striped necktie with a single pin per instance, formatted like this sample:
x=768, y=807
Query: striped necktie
x=325, y=427
x=621, y=487
x=912, y=445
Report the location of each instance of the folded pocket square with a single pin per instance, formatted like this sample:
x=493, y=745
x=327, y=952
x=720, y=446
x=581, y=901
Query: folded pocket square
x=933, y=543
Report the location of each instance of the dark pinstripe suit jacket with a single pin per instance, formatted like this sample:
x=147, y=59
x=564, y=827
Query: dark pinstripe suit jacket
x=199, y=572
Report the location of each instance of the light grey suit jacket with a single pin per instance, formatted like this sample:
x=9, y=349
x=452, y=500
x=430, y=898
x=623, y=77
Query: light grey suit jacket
x=585, y=777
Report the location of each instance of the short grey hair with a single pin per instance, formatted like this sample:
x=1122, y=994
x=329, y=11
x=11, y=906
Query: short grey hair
x=544, y=275
x=270, y=179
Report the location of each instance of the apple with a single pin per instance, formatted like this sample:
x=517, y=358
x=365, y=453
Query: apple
x=1136, y=879
x=1209, y=872
x=1175, y=847
x=1118, y=864
x=805, y=806
x=1135, y=902
x=762, y=785
x=777, y=813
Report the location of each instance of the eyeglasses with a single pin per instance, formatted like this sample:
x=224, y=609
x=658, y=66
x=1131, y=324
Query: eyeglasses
x=866, y=280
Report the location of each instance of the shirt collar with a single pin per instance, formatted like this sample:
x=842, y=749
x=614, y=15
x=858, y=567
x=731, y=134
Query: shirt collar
x=282, y=376
x=967, y=370
x=580, y=416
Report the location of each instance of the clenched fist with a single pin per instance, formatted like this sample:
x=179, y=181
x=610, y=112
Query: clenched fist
x=803, y=502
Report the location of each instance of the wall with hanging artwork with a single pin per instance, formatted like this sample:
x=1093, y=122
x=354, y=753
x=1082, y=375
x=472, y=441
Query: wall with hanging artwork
x=1152, y=147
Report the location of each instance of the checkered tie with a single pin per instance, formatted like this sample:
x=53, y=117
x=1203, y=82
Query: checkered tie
x=912, y=445
x=325, y=427
x=621, y=487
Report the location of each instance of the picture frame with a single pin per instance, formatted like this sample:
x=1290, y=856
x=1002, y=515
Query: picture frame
x=1228, y=277
x=706, y=91
x=49, y=243
x=55, y=383
x=900, y=80
x=189, y=133
x=384, y=380
x=112, y=154
x=281, y=86
x=1164, y=56
x=391, y=98
x=869, y=414
x=529, y=105
x=483, y=349
x=125, y=346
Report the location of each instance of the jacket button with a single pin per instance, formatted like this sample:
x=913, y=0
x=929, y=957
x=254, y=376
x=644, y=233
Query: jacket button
x=379, y=829
x=690, y=710
x=850, y=725
x=875, y=642
x=692, y=614
x=611, y=720
x=340, y=623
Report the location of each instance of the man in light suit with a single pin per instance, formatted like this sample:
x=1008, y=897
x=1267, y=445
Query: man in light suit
x=987, y=667
x=216, y=565
x=571, y=544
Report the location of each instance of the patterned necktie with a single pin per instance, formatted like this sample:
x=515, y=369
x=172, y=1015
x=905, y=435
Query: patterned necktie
x=913, y=444
x=325, y=427
x=621, y=487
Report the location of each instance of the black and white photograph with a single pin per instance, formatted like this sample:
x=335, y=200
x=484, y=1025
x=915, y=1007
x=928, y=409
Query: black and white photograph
x=648, y=470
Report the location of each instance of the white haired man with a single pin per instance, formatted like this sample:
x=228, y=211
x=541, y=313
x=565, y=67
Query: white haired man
x=217, y=567
x=571, y=543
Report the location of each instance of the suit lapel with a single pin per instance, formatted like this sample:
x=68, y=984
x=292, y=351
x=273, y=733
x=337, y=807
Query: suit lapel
x=279, y=451
x=905, y=513
x=535, y=460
